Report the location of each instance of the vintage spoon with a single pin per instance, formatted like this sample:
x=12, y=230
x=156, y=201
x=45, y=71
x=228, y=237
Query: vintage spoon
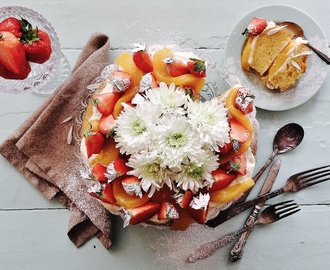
x=297, y=31
x=286, y=139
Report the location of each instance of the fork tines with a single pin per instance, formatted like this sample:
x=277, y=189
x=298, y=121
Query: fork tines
x=286, y=208
x=319, y=174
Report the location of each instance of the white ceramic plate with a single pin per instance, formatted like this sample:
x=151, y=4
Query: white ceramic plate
x=304, y=88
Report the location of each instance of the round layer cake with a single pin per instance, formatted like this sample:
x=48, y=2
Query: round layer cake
x=159, y=155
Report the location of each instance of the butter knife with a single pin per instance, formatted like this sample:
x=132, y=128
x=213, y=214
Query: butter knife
x=237, y=251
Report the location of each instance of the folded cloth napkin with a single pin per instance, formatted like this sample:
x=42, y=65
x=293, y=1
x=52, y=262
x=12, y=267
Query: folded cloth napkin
x=39, y=148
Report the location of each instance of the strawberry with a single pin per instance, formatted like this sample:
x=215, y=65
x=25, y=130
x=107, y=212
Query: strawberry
x=197, y=67
x=244, y=100
x=98, y=172
x=5, y=73
x=222, y=178
x=36, y=42
x=183, y=198
x=121, y=80
x=131, y=184
x=12, y=25
x=238, y=133
x=255, y=27
x=237, y=164
x=175, y=67
x=168, y=210
x=198, y=208
x=94, y=141
x=105, y=102
x=120, y=166
x=103, y=192
x=106, y=125
x=192, y=93
x=148, y=82
x=141, y=213
x=142, y=58
x=226, y=148
x=12, y=54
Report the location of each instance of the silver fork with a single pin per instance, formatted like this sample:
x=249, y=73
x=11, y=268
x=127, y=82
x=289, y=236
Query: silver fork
x=295, y=183
x=271, y=214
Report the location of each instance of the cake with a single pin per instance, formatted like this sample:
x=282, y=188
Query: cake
x=273, y=53
x=157, y=154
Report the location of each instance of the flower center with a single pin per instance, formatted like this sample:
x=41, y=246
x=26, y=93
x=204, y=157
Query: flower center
x=195, y=172
x=138, y=127
x=211, y=119
x=177, y=139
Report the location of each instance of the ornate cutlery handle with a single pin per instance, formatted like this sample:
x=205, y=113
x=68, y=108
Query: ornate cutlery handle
x=208, y=249
x=237, y=251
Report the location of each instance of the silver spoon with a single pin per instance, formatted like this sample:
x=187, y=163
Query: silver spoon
x=286, y=139
x=297, y=31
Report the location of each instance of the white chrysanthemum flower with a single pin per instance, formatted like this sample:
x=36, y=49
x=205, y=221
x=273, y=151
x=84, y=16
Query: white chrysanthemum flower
x=177, y=141
x=147, y=166
x=196, y=175
x=169, y=99
x=210, y=121
x=134, y=128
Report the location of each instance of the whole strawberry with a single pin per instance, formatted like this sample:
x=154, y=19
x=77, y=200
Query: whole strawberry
x=12, y=25
x=36, y=42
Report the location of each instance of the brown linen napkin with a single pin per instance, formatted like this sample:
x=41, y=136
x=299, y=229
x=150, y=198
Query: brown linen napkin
x=39, y=148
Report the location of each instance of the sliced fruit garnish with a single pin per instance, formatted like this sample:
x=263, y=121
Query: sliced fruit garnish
x=141, y=213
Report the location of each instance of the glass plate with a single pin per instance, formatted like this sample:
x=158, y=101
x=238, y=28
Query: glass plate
x=40, y=74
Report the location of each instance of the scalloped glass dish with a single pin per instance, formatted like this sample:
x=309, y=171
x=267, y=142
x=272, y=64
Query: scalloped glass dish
x=306, y=86
x=41, y=74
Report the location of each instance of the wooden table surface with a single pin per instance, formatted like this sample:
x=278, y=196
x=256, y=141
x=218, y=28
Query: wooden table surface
x=33, y=229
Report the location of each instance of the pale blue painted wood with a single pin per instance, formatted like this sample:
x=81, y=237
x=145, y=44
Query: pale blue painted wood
x=33, y=229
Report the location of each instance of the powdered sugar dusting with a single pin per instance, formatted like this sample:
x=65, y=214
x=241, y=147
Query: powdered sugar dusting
x=174, y=247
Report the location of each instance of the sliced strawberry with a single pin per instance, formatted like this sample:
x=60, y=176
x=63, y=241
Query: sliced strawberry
x=98, y=172
x=168, y=210
x=237, y=164
x=142, y=58
x=141, y=213
x=131, y=184
x=120, y=166
x=197, y=67
x=5, y=73
x=226, y=148
x=255, y=27
x=106, y=125
x=103, y=192
x=198, y=208
x=238, y=133
x=12, y=53
x=12, y=25
x=244, y=100
x=121, y=80
x=222, y=178
x=148, y=82
x=175, y=67
x=105, y=102
x=93, y=141
x=183, y=198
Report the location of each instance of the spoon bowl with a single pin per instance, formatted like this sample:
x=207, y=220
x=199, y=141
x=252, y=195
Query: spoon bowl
x=286, y=139
x=297, y=31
